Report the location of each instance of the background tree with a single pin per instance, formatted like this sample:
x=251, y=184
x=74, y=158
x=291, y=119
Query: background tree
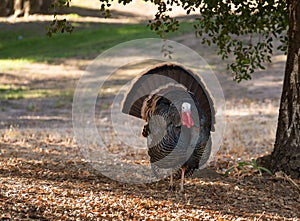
x=244, y=30
x=24, y=7
x=286, y=154
x=6, y=7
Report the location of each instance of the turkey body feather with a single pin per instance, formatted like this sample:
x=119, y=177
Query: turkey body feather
x=171, y=145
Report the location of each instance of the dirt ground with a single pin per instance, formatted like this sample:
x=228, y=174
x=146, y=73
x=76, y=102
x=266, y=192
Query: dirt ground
x=44, y=176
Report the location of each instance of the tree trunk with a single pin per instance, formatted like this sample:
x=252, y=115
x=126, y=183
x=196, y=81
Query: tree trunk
x=18, y=8
x=6, y=7
x=44, y=9
x=35, y=6
x=286, y=153
x=40, y=6
x=26, y=7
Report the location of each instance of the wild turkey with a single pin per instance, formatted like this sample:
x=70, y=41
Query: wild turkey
x=178, y=113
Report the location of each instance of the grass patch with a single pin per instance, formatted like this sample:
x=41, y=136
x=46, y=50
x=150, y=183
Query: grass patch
x=31, y=45
x=13, y=92
x=13, y=64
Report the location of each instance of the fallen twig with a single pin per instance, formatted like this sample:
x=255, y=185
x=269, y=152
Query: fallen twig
x=281, y=174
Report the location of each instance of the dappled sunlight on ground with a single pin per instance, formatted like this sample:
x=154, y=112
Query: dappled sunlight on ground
x=43, y=170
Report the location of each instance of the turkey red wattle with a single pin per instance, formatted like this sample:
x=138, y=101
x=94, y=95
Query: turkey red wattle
x=187, y=119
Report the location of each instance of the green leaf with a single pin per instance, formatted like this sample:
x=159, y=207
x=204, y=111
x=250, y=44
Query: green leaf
x=266, y=170
x=228, y=171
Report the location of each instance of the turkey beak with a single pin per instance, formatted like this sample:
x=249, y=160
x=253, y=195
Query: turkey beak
x=187, y=119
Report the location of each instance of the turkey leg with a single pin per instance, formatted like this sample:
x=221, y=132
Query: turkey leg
x=171, y=186
x=182, y=180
